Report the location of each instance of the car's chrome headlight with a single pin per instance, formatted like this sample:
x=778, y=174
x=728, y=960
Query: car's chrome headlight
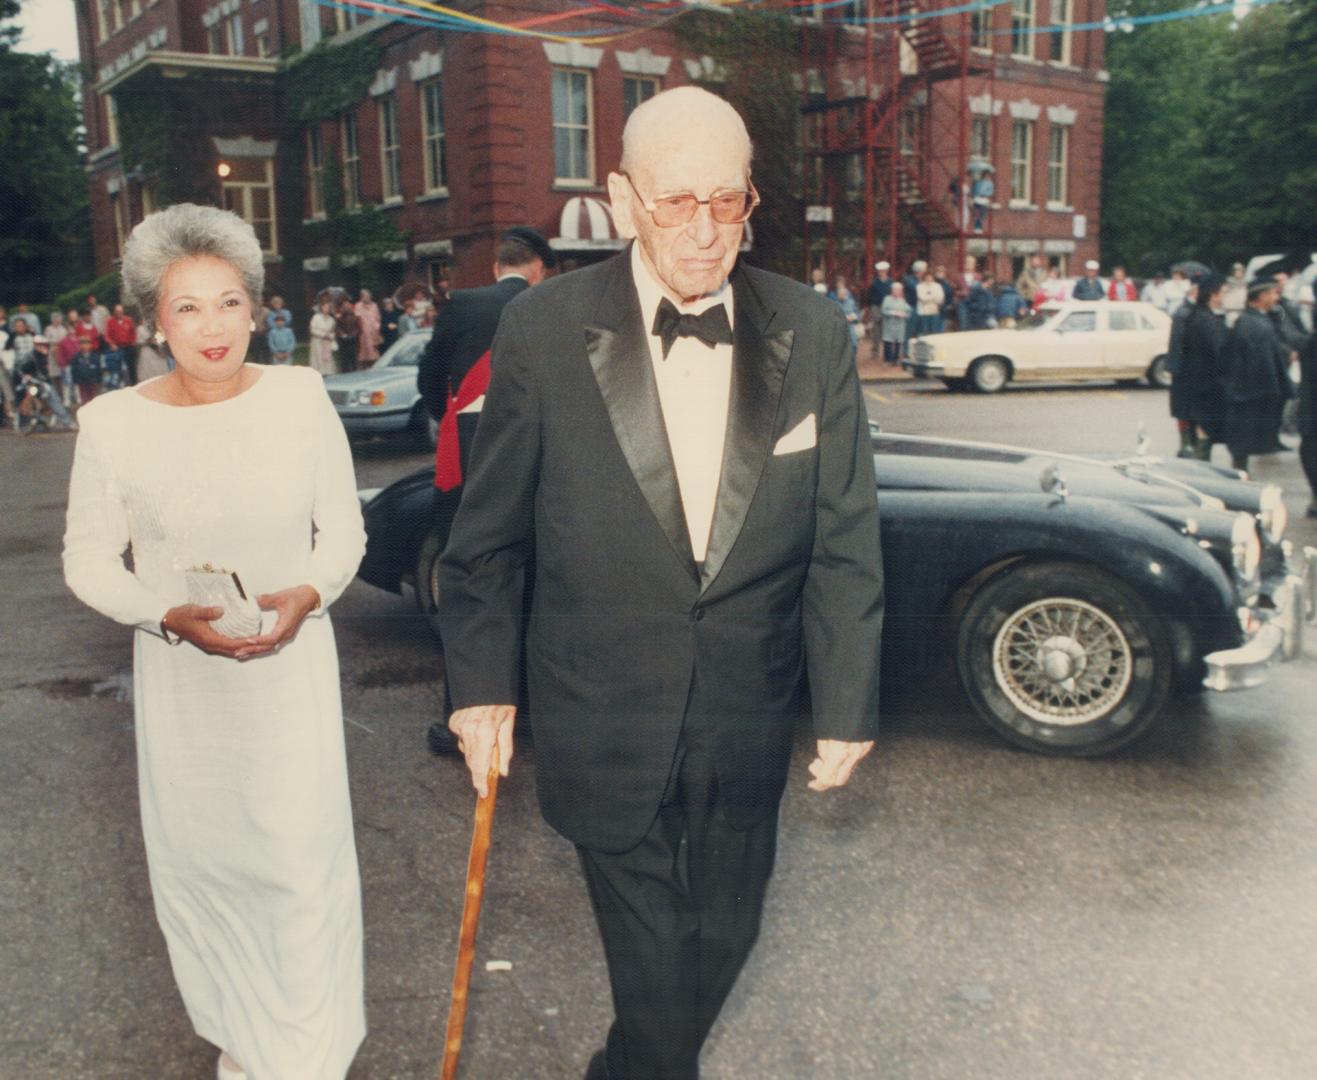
x=370, y=397
x=1272, y=514
x=1245, y=547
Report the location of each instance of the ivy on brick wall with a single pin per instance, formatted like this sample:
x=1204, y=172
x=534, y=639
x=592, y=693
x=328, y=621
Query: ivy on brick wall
x=760, y=53
x=145, y=121
x=326, y=80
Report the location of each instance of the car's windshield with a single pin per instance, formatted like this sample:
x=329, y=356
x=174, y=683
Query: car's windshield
x=1037, y=320
x=406, y=353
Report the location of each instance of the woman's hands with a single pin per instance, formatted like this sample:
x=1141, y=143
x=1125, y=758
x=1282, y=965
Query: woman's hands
x=192, y=623
x=293, y=605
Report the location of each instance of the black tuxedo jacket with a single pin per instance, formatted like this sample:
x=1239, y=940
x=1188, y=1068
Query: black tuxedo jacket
x=463, y=331
x=627, y=639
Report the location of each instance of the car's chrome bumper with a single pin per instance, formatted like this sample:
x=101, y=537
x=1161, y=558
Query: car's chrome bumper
x=921, y=368
x=1279, y=638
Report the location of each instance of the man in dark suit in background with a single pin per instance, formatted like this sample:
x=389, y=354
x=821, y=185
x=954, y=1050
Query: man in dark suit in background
x=454, y=373
x=681, y=445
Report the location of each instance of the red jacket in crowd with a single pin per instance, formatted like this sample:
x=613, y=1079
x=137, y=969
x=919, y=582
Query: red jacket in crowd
x=121, y=333
x=85, y=329
x=1122, y=290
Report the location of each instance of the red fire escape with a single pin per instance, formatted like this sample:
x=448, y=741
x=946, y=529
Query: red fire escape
x=887, y=131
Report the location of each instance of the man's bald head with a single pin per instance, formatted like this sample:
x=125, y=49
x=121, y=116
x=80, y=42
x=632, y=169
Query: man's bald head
x=681, y=121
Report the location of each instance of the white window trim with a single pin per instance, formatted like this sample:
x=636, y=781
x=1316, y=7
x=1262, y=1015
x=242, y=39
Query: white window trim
x=572, y=54
x=427, y=66
x=643, y=62
x=1028, y=37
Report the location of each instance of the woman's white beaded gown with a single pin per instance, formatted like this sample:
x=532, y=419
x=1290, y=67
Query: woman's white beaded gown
x=242, y=769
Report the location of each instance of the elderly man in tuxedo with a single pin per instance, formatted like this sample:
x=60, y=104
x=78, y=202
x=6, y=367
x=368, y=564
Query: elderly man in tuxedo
x=680, y=444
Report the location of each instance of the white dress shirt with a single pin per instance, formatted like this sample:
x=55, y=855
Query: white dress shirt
x=694, y=388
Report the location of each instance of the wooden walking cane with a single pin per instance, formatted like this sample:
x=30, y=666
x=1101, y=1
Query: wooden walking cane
x=466, y=944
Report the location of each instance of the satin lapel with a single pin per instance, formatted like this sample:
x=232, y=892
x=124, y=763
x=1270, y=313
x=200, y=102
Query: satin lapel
x=619, y=355
x=759, y=362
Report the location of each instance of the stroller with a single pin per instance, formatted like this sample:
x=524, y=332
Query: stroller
x=37, y=402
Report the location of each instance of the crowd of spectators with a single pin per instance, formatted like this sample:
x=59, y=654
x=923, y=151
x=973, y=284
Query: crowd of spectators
x=78, y=354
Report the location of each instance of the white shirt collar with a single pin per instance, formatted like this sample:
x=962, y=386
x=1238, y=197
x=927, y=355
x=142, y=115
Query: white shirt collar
x=651, y=292
x=511, y=273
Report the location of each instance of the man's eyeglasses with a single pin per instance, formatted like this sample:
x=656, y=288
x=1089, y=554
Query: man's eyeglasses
x=727, y=206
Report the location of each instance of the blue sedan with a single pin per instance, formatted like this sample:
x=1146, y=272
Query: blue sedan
x=383, y=400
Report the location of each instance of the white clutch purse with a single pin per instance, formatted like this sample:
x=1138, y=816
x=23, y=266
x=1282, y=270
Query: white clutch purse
x=211, y=587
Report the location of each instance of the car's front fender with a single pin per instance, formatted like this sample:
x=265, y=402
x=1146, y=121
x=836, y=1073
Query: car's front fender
x=935, y=543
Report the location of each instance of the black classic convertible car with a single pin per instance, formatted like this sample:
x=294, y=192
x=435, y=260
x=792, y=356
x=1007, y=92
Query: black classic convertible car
x=1075, y=596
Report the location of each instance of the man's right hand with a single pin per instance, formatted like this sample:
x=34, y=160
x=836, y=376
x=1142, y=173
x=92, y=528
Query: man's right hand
x=479, y=728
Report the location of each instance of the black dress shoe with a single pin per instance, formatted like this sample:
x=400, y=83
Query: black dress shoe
x=598, y=1067
x=440, y=740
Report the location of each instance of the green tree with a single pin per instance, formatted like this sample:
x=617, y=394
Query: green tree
x=1210, y=147
x=43, y=192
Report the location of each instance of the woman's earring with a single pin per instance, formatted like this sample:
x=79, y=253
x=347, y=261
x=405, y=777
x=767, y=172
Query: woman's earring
x=159, y=338
x=253, y=326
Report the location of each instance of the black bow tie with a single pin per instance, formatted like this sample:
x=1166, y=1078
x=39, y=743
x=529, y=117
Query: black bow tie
x=711, y=327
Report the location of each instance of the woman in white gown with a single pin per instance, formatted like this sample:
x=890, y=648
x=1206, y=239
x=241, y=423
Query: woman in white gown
x=242, y=770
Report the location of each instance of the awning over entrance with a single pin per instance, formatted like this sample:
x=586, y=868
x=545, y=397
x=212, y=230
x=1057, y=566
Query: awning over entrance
x=586, y=224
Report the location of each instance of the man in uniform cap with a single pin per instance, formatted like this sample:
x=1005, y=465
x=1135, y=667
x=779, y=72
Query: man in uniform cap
x=1257, y=381
x=454, y=373
x=1089, y=287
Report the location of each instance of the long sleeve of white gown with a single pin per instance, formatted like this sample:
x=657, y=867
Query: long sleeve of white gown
x=96, y=536
x=340, y=539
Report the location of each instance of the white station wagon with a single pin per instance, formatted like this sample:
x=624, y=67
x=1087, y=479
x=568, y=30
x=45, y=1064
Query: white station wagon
x=1106, y=340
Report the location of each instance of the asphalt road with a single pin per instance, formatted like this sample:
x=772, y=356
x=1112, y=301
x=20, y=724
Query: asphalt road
x=963, y=910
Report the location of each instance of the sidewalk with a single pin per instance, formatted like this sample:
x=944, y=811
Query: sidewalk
x=872, y=369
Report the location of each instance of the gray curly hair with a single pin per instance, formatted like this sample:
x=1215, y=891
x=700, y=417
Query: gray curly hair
x=185, y=231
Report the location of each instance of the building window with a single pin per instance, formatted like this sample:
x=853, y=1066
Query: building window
x=1021, y=160
x=980, y=138
x=390, y=148
x=350, y=150
x=315, y=171
x=111, y=121
x=1022, y=27
x=120, y=222
x=1058, y=154
x=345, y=18
x=1059, y=39
x=573, y=127
x=124, y=12
x=263, y=44
x=248, y=191
x=104, y=19
x=980, y=27
x=636, y=89
x=432, y=119
x=225, y=37
x=911, y=128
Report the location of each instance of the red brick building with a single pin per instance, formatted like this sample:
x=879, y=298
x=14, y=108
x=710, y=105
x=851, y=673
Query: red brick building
x=457, y=135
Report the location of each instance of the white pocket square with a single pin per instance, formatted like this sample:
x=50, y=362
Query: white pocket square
x=801, y=437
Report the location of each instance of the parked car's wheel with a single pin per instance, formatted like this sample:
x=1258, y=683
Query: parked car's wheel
x=989, y=374
x=422, y=427
x=427, y=579
x=1159, y=374
x=1062, y=658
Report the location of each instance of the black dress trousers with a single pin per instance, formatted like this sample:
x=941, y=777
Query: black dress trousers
x=678, y=915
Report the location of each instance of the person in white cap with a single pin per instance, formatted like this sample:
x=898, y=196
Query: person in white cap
x=1089, y=287
x=879, y=289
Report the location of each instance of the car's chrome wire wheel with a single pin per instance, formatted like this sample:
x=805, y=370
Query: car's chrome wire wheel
x=1062, y=661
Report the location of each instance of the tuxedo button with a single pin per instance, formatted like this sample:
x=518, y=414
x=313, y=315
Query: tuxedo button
x=697, y=614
